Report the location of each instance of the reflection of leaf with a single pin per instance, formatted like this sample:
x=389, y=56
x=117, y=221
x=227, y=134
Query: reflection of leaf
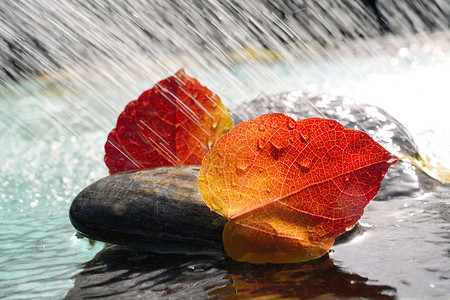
x=174, y=123
x=318, y=279
x=289, y=188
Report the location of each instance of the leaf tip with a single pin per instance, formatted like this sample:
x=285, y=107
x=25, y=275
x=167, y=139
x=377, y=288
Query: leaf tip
x=392, y=159
x=181, y=73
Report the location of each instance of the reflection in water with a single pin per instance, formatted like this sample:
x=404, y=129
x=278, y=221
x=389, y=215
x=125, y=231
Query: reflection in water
x=308, y=280
x=123, y=273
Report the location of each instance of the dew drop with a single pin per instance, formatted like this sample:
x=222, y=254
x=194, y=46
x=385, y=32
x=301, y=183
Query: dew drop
x=261, y=144
x=304, y=165
x=268, y=190
x=331, y=123
x=347, y=177
x=214, y=124
x=274, y=125
x=120, y=163
x=261, y=127
x=304, y=135
x=291, y=124
x=279, y=145
x=362, y=135
x=242, y=166
x=210, y=142
x=392, y=160
x=304, y=169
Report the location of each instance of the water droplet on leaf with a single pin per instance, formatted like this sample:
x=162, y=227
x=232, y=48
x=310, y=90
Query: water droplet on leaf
x=331, y=123
x=261, y=143
x=392, y=160
x=279, y=145
x=304, y=135
x=291, y=124
x=243, y=166
x=261, y=127
x=210, y=142
x=304, y=165
x=233, y=182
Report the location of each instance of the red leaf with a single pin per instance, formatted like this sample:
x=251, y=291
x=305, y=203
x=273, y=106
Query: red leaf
x=174, y=123
x=289, y=188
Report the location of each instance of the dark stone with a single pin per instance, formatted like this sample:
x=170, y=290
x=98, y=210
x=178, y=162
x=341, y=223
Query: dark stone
x=159, y=209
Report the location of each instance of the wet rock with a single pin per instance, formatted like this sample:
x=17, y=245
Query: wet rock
x=160, y=209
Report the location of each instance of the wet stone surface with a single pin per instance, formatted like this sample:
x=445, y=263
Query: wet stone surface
x=159, y=209
x=400, y=248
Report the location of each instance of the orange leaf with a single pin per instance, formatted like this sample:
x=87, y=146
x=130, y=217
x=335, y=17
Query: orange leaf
x=289, y=188
x=174, y=123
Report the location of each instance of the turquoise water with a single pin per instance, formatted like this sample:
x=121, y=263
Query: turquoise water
x=52, y=132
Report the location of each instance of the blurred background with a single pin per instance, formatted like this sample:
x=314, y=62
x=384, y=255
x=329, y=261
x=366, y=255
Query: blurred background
x=68, y=68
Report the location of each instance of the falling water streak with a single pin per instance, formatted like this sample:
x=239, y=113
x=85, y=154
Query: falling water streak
x=154, y=132
x=198, y=104
x=202, y=144
x=183, y=108
x=124, y=154
x=164, y=149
